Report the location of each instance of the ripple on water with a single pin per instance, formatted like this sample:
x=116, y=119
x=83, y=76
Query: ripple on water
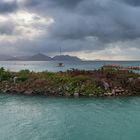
x=41, y=118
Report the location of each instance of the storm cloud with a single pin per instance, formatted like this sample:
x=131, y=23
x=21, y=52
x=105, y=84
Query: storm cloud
x=8, y=6
x=75, y=25
x=107, y=20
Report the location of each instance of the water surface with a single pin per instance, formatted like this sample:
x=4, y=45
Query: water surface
x=43, y=118
x=53, y=65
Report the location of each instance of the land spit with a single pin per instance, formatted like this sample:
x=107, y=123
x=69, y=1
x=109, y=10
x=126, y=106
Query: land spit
x=106, y=81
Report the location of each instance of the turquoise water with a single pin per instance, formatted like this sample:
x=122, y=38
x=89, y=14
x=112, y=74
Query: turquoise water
x=43, y=118
x=53, y=65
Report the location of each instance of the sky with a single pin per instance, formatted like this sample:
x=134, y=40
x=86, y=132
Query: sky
x=89, y=29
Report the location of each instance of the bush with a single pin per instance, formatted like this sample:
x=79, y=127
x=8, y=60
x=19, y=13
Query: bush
x=23, y=75
x=90, y=87
x=4, y=75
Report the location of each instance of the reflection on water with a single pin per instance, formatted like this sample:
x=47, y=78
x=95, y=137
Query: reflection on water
x=53, y=65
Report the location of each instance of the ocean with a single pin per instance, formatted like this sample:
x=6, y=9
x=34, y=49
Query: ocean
x=47, y=118
x=53, y=65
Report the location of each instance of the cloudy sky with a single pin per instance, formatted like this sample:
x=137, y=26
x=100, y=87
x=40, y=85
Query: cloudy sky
x=90, y=29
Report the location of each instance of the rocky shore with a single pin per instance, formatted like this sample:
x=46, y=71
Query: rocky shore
x=106, y=81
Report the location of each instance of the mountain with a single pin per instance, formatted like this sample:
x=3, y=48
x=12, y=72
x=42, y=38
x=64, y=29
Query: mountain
x=65, y=58
x=22, y=58
x=5, y=57
x=38, y=57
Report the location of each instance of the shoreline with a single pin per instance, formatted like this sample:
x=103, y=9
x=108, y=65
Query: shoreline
x=106, y=81
x=67, y=97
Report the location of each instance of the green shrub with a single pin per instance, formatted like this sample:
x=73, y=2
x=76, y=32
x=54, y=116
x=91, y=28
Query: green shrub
x=90, y=87
x=23, y=75
x=4, y=75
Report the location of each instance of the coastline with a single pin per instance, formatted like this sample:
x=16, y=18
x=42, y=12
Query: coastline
x=106, y=81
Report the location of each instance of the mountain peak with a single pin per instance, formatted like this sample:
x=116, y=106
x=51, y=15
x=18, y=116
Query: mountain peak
x=66, y=58
x=39, y=57
x=39, y=54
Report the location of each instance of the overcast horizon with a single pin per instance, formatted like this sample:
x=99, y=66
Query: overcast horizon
x=89, y=29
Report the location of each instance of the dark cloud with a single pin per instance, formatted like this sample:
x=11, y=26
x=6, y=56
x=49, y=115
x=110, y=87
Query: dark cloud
x=132, y=2
x=6, y=28
x=66, y=3
x=9, y=6
x=83, y=24
x=52, y=46
x=108, y=20
x=98, y=19
x=53, y=3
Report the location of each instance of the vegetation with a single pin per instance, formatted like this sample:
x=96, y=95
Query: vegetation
x=106, y=81
x=4, y=75
x=23, y=75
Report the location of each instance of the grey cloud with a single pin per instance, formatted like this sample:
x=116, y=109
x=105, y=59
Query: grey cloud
x=132, y=2
x=8, y=6
x=51, y=45
x=66, y=3
x=53, y=3
x=109, y=24
x=107, y=20
x=84, y=25
x=6, y=28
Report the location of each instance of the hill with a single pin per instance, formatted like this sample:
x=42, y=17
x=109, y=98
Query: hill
x=5, y=57
x=65, y=58
x=39, y=57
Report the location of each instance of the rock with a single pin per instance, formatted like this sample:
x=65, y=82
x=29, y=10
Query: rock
x=28, y=92
x=60, y=93
x=105, y=94
x=76, y=94
x=120, y=88
x=4, y=90
x=108, y=94
x=117, y=90
x=91, y=95
x=138, y=78
x=130, y=79
x=15, y=79
x=113, y=91
x=18, y=90
x=129, y=94
x=67, y=94
x=6, y=86
x=106, y=85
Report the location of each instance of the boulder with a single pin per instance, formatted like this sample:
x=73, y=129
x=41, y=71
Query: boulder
x=113, y=92
x=130, y=79
x=108, y=94
x=76, y=94
x=28, y=92
x=15, y=79
x=91, y=95
x=138, y=78
x=106, y=85
x=67, y=94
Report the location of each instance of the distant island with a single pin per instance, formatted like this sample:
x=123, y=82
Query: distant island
x=39, y=57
